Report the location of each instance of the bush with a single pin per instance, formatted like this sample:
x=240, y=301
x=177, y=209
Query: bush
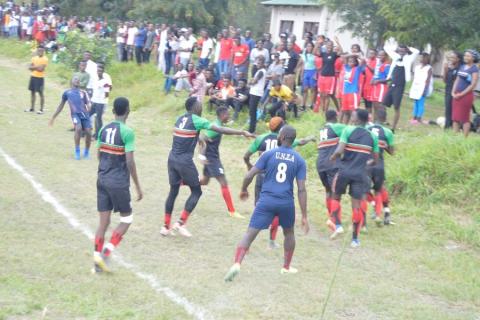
x=76, y=43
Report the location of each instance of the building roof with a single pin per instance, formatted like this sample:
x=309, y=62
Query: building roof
x=291, y=3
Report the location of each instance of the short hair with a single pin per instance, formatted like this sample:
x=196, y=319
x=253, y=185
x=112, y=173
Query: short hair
x=330, y=115
x=243, y=80
x=276, y=82
x=190, y=103
x=426, y=55
x=41, y=46
x=289, y=133
x=121, y=106
x=221, y=110
x=362, y=115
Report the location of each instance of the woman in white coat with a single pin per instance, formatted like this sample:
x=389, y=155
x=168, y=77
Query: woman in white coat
x=422, y=87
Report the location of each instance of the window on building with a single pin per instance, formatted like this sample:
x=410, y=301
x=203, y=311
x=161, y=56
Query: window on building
x=286, y=26
x=310, y=27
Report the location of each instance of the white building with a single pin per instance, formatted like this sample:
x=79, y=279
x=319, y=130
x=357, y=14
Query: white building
x=300, y=16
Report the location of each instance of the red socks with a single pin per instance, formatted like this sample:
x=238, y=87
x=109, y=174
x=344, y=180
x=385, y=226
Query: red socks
x=228, y=198
x=99, y=244
x=364, y=207
x=240, y=254
x=114, y=241
x=357, y=219
x=168, y=218
x=378, y=204
x=274, y=228
x=385, y=199
x=184, y=217
x=287, y=259
x=336, y=211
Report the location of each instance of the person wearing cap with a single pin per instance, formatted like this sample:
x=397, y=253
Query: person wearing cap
x=240, y=54
x=79, y=104
x=462, y=91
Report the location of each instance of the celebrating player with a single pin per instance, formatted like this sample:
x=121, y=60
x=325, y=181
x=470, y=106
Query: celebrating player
x=281, y=166
x=351, y=87
x=377, y=171
x=356, y=145
x=116, y=144
x=79, y=105
x=329, y=137
x=213, y=166
x=181, y=168
x=379, y=81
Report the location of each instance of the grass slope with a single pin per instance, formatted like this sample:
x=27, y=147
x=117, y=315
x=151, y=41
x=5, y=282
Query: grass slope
x=426, y=267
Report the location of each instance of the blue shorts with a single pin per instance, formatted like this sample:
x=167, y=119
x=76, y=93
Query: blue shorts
x=309, y=80
x=81, y=119
x=267, y=209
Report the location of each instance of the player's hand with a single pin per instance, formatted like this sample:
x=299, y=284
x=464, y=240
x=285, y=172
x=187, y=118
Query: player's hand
x=370, y=162
x=333, y=158
x=139, y=194
x=244, y=195
x=247, y=134
x=305, y=225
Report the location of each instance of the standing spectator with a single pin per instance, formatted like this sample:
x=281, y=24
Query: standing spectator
x=225, y=57
x=170, y=52
x=216, y=57
x=91, y=69
x=101, y=92
x=162, y=47
x=400, y=73
x=13, y=25
x=207, y=50
x=248, y=40
x=379, y=81
x=82, y=76
x=150, y=38
x=450, y=70
x=121, y=35
x=308, y=74
x=240, y=53
x=275, y=71
x=422, y=87
x=326, y=79
x=131, y=32
x=290, y=66
x=199, y=86
x=258, y=51
x=140, y=38
x=462, y=91
x=267, y=42
x=24, y=22
x=185, y=47
x=295, y=46
x=37, y=78
x=257, y=88
x=367, y=91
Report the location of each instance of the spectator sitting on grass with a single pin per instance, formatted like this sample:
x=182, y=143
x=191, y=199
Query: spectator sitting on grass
x=179, y=80
x=223, y=96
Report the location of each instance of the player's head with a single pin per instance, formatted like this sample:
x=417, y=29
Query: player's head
x=121, y=107
x=382, y=55
x=331, y=116
x=287, y=135
x=372, y=53
x=360, y=117
x=193, y=106
x=381, y=115
x=352, y=61
x=75, y=82
x=275, y=124
x=223, y=114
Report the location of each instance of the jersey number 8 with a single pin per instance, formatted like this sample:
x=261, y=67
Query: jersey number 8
x=281, y=172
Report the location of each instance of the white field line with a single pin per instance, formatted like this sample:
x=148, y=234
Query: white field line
x=194, y=310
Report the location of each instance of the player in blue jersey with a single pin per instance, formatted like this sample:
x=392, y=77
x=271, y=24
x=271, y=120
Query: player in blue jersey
x=282, y=166
x=79, y=104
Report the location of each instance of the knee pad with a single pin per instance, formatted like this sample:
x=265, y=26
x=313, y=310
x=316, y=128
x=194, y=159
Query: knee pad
x=127, y=219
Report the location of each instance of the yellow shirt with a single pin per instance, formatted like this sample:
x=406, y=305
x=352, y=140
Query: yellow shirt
x=284, y=93
x=39, y=61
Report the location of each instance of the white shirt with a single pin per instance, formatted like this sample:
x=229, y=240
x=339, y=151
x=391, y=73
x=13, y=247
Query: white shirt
x=120, y=34
x=163, y=40
x=185, y=44
x=217, y=52
x=207, y=47
x=420, y=77
x=407, y=59
x=25, y=20
x=91, y=69
x=100, y=88
x=255, y=53
x=259, y=88
x=131, y=36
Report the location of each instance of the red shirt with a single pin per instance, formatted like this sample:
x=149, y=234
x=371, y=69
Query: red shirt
x=296, y=48
x=226, y=49
x=240, y=54
x=338, y=66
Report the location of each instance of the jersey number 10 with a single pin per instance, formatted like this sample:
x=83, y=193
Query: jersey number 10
x=271, y=144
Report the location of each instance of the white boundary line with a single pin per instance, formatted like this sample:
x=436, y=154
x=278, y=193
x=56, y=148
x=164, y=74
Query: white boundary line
x=194, y=310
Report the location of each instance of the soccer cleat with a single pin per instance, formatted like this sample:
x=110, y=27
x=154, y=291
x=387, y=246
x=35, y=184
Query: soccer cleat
x=290, y=270
x=355, y=243
x=273, y=245
x=232, y=272
x=378, y=221
x=236, y=215
x=86, y=155
x=338, y=231
x=102, y=262
x=96, y=269
x=77, y=155
x=182, y=230
x=166, y=232
x=29, y=110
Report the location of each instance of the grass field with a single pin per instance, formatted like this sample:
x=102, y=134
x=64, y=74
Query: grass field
x=425, y=267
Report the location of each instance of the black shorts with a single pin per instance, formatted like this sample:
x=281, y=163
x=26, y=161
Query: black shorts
x=214, y=168
x=36, y=84
x=258, y=185
x=394, y=96
x=357, y=186
x=327, y=178
x=182, y=171
x=377, y=175
x=113, y=199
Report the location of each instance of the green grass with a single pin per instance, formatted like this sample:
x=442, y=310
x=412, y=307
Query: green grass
x=426, y=267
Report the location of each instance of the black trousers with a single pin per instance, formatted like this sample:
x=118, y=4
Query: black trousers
x=252, y=106
x=448, y=110
x=139, y=54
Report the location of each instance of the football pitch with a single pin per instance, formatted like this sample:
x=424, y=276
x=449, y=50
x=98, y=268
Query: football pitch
x=48, y=214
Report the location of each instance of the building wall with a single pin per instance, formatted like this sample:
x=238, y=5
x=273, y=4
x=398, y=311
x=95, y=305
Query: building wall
x=328, y=23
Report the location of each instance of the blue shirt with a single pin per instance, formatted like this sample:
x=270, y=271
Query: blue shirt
x=351, y=79
x=465, y=77
x=250, y=42
x=77, y=100
x=281, y=166
x=381, y=71
x=140, y=38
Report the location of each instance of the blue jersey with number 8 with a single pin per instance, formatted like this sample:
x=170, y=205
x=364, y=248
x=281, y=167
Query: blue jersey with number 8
x=281, y=166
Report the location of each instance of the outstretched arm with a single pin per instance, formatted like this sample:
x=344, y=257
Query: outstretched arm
x=231, y=131
x=306, y=140
x=57, y=112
